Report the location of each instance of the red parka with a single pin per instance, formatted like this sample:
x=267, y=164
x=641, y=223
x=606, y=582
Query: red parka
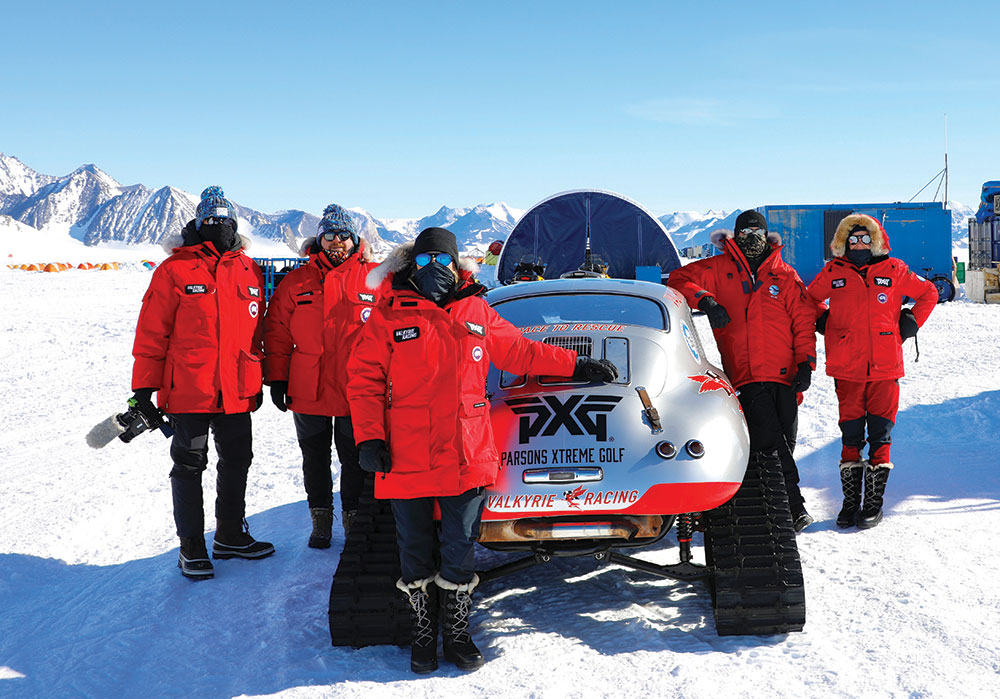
x=772, y=321
x=417, y=380
x=312, y=323
x=862, y=330
x=198, y=339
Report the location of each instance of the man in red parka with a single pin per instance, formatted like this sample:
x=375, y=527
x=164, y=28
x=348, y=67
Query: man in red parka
x=197, y=344
x=865, y=327
x=764, y=326
x=311, y=325
x=421, y=417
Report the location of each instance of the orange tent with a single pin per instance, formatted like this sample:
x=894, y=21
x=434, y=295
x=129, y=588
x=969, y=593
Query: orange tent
x=50, y=267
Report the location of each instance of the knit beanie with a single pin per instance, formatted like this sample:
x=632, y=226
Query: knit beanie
x=436, y=240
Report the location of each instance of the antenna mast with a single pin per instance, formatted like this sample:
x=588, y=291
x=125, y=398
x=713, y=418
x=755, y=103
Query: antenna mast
x=946, y=161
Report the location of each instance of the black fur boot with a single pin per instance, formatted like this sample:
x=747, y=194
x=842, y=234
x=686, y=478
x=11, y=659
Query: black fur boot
x=423, y=598
x=852, y=474
x=456, y=608
x=876, y=476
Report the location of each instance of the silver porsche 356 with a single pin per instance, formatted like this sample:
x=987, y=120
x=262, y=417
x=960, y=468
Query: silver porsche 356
x=594, y=469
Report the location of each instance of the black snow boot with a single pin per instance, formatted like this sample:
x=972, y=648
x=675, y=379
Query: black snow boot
x=423, y=598
x=346, y=518
x=456, y=607
x=233, y=540
x=876, y=476
x=193, y=559
x=322, y=519
x=801, y=520
x=852, y=473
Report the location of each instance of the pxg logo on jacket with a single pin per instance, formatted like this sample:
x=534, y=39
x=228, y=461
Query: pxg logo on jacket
x=404, y=334
x=475, y=328
x=366, y=298
x=254, y=291
x=883, y=281
x=195, y=289
x=550, y=413
x=838, y=283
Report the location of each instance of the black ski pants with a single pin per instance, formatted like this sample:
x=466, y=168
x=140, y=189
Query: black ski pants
x=189, y=452
x=419, y=549
x=772, y=416
x=315, y=434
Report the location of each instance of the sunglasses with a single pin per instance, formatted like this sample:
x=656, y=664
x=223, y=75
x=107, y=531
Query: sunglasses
x=211, y=220
x=424, y=258
x=749, y=231
x=333, y=235
x=854, y=239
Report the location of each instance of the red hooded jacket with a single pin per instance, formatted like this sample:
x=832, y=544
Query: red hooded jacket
x=862, y=331
x=312, y=323
x=198, y=339
x=772, y=322
x=417, y=380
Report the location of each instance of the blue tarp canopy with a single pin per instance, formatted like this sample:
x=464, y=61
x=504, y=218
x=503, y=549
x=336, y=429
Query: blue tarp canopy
x=554, y=233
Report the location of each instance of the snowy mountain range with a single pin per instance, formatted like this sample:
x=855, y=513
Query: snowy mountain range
x=92, y=207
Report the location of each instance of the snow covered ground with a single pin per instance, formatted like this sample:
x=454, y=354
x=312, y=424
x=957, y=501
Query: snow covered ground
x=92, y=604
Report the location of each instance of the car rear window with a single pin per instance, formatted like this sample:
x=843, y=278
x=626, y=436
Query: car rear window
x=557, y=309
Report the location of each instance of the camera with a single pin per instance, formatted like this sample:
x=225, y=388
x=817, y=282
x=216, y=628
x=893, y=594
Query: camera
x=134, y=422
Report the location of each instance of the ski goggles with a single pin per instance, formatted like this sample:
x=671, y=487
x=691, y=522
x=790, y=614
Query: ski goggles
x=424, y=258
x=855, y=239
x=333, y=235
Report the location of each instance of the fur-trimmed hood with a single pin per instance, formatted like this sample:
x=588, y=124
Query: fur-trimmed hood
x=401, y=258
x=719, y=237
x=880, y=241
x=172, y=242
x=309, y=247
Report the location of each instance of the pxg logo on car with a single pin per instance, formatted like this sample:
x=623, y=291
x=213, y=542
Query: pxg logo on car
x=579, y=414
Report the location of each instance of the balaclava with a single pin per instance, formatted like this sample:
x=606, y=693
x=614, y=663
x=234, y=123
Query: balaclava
x=435, y=281
x=753, y=245
x=859, y=257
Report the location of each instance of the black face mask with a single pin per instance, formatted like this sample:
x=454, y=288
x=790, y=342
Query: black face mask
x=753, y=245
x=859, y=257
x=221, y=235
x=434, y=282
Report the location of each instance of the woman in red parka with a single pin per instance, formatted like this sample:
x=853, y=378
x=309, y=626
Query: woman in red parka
x=312, y=323
x=764, y=325
x=421, y=417
x=865, y=327
x=197, y=344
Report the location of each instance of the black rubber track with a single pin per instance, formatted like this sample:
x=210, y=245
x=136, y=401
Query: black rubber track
x=757, y=588
x=366, y=608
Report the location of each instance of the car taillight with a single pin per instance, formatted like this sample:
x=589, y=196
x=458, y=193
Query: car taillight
x=666, y=450
x=695, y=448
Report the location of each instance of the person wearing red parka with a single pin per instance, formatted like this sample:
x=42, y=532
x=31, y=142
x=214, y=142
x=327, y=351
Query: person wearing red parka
x=312, y=322
x=198, y=346
x=763, y=323
x=865, y=327
x=421, y=417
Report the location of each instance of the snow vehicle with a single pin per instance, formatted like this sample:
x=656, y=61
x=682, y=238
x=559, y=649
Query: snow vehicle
x=591, y=469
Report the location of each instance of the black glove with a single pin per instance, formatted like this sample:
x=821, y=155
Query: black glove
x=907, y=324
x=375, y=456
x=803, y=378
x=258, y=400
x=821, y=322
x=279, y=394
x=716, y=312
x=590, y=369
x=143, y=401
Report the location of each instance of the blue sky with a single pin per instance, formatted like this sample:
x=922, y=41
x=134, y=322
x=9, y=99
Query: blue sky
x=400, y=108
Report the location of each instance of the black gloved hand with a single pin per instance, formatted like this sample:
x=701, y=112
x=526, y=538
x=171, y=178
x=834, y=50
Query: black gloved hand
x=374, y=456
x=590, y=369
x=258, y=400
x=279, y=395
x=907, y=324
x=803, y=378
x=821, y=322
x=143, y=400
x=718, y=317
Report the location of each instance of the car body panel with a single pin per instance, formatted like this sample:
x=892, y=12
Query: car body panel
x=577, y=448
